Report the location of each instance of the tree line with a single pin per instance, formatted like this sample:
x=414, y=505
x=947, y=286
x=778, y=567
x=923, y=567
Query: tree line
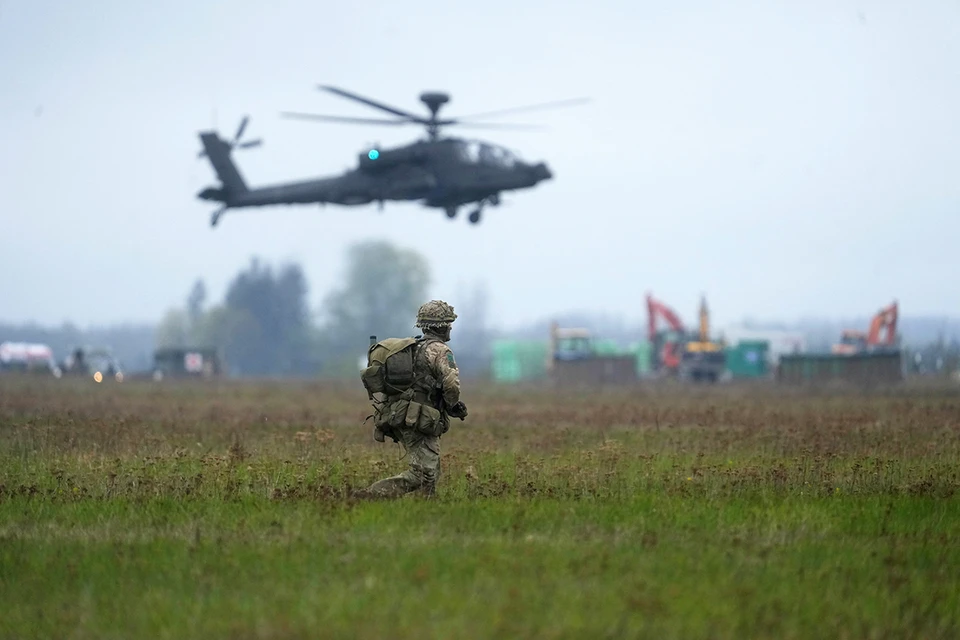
x=264, y=325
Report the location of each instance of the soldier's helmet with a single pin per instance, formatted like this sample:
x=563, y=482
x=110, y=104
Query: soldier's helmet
x=435, y=314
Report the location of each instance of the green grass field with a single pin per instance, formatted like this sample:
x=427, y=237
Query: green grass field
x=225, y=510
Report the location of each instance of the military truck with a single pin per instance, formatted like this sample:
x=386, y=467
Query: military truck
x=186, y=362
x=95, y=362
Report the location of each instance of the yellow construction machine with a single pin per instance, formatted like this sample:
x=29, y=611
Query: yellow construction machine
x=701, y=357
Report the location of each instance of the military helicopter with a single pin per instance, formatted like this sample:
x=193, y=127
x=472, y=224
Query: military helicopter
x=440, y=172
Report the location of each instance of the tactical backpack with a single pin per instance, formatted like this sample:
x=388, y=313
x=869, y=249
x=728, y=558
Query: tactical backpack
x=390, y=373
x=389, y=367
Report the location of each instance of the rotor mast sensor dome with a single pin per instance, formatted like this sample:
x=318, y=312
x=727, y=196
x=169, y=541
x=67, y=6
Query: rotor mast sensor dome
x=434, y=100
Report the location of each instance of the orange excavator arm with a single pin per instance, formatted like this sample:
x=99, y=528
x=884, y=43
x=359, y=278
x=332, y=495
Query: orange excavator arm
x=886, y=318
x=669, y=357
x=655, y=309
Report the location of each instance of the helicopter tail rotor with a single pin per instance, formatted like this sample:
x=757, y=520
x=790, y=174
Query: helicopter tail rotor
x=235, y=143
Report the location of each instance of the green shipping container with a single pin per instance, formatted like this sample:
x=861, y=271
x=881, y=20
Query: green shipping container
x=607, y=348
x=518, y=360
x=642, y=351
x=748, y=359
x=866, y=369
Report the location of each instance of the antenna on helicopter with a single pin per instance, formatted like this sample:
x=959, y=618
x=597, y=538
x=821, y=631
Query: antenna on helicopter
x=434, y=100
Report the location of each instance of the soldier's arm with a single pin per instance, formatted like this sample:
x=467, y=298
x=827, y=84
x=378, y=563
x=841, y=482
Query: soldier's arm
x=447, y=374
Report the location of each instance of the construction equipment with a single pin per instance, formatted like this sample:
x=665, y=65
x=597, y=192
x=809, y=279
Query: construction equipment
x=686, y=355
x=857, y=342
x=664, y=343
x=573, y=359
x=570, y=344
x=702, y=358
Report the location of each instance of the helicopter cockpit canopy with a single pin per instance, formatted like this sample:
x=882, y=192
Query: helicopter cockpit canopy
x=476, y=152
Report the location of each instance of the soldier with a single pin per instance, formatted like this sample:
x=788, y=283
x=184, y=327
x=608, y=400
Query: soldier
x=436, y=384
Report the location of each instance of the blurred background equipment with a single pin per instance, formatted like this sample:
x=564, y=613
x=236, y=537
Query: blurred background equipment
x=186, y=362
x=702, y=359
x=27, y=357
x=575, y=359
x=665, y=343
x=861, y=359
x=677, y=352
x=864, y=369
x=96, y=362
x=853, y=341
x=748, y=359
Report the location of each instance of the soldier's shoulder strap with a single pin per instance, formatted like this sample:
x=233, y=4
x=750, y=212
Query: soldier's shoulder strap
x=425, y=378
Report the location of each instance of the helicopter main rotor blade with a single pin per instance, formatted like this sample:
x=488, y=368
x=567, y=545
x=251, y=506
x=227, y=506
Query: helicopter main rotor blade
x=371, y=103
x=313, y=116
x=494, y=125
x=252, y=143
x=545, y=105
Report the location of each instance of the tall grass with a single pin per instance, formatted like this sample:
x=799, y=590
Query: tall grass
x=228, y=510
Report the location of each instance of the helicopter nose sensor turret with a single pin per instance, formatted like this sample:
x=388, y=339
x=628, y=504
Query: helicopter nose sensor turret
x=542, y=172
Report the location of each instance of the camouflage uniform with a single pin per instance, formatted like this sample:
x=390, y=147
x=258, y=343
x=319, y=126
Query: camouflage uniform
x=437, y=379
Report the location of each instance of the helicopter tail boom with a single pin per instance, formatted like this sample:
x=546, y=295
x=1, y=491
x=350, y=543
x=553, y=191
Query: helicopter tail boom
x=219, y=153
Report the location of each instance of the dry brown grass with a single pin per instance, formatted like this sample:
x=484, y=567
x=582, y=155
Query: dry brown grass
x=225, y=509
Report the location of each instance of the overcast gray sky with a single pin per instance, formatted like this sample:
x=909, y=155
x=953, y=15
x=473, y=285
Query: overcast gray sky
x=786, y=158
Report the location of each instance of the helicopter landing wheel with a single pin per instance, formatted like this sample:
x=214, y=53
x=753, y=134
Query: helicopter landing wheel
x=451, y=212
x=475, y=217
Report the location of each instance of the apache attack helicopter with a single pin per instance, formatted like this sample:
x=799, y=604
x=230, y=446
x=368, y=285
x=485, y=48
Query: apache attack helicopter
x=440, y=172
